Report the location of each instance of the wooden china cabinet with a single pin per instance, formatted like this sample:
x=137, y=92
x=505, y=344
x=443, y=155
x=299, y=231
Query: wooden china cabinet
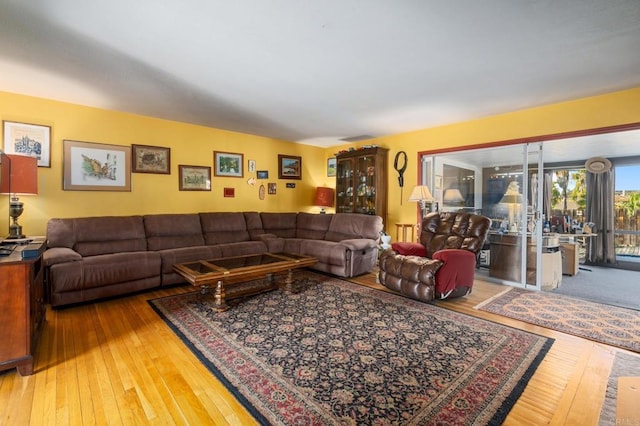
x=361, y=182
x=22, y=308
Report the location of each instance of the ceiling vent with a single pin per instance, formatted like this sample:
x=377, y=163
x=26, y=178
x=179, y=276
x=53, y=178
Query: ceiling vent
x=357, y=138
x=598, y=165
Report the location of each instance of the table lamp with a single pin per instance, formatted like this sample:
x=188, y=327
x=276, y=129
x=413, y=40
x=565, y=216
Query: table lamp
x=23, y=180
x=324, y=198
x=512, y=198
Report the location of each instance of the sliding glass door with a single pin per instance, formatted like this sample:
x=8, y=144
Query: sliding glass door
x=506, y=185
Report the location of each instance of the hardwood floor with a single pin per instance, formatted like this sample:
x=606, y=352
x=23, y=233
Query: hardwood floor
x=116, y=362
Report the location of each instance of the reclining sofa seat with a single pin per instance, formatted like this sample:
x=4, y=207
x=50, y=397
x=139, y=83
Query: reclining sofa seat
x=92, y=258
x=345, y=244
x=442, y=265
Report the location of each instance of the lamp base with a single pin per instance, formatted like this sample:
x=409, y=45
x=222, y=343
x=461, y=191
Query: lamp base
x=15, y=232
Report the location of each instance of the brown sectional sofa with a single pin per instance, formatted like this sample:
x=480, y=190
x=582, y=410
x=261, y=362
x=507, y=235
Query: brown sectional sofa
x=95, y=257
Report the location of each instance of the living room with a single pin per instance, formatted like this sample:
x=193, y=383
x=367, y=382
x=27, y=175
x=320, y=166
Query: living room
x=117, y=360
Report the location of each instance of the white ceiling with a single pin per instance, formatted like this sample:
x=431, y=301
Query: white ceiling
x=318, y=71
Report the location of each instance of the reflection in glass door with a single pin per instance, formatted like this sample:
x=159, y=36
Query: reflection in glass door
x=494, y=182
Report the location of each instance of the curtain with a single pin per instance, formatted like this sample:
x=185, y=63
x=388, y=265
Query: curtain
x=601, y=211
x=546, y=196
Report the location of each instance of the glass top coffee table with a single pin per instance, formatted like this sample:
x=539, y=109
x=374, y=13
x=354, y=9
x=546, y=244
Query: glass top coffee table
x=224, y=272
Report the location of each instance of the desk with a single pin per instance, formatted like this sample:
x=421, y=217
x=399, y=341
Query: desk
x=506, y=258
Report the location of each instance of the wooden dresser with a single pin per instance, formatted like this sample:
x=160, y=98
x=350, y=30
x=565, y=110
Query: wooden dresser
x=22, y=308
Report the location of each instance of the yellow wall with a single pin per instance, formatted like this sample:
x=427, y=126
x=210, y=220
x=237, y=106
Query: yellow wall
x=587, y=113
x=195, y=145
x=154, y=193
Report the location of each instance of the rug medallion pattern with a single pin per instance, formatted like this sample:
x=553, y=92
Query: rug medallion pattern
x=603, y=323
x=340, y=353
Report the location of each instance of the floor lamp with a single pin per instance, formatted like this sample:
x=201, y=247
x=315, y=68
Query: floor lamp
x=422, y=195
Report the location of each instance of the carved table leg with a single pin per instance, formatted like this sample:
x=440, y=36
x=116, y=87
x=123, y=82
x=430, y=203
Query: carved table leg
x=288, y=282
x=219, y=304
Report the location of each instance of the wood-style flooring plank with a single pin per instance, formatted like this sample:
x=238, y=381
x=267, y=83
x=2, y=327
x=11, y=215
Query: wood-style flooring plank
x=116, y=362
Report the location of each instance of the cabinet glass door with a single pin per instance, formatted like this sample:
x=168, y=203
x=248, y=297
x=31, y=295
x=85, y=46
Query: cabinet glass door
x=344, y=185
x=365, y=196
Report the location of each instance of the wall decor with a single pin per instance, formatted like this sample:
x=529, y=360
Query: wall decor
x=262, y=174
x=251, y=166
x=291, y=185
x=28, y=139
x=261, y=192
x=289, y=167
x=92, y=166
x=230, y=192
x=331, y=166
x=150, y=159
x=228, y=164
x=194, y=178
x=271, y=188
x=438, y=182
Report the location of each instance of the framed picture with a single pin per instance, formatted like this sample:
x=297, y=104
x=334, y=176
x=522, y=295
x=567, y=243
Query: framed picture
x=331, y=166
x=230, y=192
x=28, y=139
x=271, y=188
x=228, y=164
x=262, y=174
x=289, y=167
x=251, y=166
x=194, y=178
x=92, y=166
x=150, y=159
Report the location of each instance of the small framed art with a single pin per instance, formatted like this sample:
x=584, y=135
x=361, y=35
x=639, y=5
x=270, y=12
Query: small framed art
x=331, y=166
x=251, y=166
x=262, y=174
x=289, y=167
x=194, y=178
x=228, y=164
x=92, y=166
x=151, y=159
x=28, y=139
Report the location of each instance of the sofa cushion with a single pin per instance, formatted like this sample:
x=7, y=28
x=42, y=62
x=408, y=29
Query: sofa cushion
x=60, y=233
x=280, y=224
x=224, y=227
x=187, y=254
x=346, y=226
x=108, y=234
x=313, y=226
x=165, y=231
x=254, y=224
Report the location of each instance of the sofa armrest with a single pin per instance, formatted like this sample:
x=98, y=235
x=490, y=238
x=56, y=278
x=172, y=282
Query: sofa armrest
x=359, y=244
x=458, y=268
x=56, y=255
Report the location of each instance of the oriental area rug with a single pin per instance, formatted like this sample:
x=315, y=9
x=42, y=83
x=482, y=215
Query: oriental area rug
x=340, y=353
x=606, y=324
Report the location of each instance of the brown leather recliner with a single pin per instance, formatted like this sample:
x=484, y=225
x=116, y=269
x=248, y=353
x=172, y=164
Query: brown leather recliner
x=442, y=265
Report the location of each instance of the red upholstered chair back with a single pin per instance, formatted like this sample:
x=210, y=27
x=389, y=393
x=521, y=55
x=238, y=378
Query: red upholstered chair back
x=453, y=230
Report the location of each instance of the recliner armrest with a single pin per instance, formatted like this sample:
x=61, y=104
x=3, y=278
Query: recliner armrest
x=409, y=249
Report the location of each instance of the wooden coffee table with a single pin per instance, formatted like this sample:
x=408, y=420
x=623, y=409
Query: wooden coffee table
x=226, y=271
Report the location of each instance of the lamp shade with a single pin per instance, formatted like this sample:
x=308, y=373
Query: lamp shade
x=420, y=193
x=453, y=195
x=324, y=197
x=24, y=175
x=512, y=195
